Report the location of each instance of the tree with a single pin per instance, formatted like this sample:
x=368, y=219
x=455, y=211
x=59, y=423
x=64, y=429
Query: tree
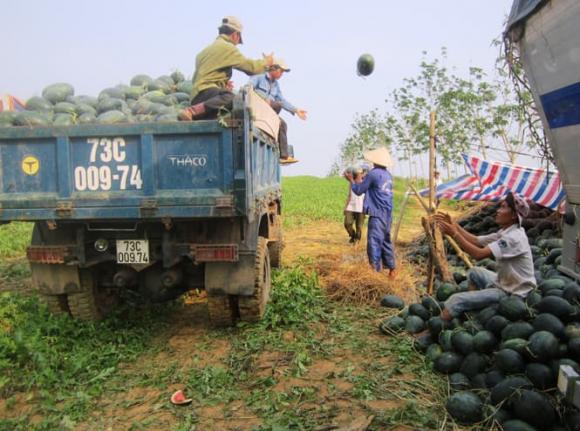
x=368, y=131
x=473, y=112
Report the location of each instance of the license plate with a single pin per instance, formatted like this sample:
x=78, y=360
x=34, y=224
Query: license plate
x=132, y=251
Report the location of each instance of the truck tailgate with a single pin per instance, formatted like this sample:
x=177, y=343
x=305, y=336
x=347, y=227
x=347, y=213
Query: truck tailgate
x=117, y=171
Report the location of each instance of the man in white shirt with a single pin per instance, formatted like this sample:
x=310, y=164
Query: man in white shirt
x=510, y=248
x=353, y=210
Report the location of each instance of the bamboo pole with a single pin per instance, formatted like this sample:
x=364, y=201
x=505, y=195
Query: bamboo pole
x=460, y=253
x=398, y=225
x=420, y=198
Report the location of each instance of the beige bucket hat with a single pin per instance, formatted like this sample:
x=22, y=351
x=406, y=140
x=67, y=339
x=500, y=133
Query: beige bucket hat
x=379, y=156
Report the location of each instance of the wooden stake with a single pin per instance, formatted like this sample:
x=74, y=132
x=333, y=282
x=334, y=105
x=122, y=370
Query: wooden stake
x=437, y=251
x=430, y=276
x=398, y=225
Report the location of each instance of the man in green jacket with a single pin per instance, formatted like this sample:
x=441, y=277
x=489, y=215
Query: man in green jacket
x=212, y=88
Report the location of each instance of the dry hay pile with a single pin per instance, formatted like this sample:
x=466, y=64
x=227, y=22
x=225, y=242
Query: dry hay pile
x=350, y=279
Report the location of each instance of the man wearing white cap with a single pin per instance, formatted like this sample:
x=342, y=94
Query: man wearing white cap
x=378, y=204
x=212, y=88
x=267, y=86
x=509, y=246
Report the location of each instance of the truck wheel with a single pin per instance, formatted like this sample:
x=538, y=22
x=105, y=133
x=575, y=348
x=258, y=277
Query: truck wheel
x=83, y=305
x=220, y=310
x=56, y=304
x=252, y=308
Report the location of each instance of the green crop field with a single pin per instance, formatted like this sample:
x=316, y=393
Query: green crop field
x=308, y=198
x=56, y=372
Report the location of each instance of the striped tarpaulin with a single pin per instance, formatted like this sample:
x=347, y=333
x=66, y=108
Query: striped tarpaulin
x=491, y=181
x=11, y=103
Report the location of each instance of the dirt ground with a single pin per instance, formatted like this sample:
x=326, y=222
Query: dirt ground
x=190, y=343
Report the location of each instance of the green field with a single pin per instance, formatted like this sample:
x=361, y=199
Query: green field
x=54, y=372
x=307, y=199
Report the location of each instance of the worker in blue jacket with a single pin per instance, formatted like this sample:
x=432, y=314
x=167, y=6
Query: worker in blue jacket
x=378, y=204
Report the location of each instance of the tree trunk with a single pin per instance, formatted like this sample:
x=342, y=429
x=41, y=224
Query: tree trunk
x=482, y=147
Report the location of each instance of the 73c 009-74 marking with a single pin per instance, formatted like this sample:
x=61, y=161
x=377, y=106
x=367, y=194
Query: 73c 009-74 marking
x=107, y=177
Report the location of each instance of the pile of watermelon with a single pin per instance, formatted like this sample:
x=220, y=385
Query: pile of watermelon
x=144, y=100
x=503, y=361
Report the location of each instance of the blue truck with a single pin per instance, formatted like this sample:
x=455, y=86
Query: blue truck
x=148, y=210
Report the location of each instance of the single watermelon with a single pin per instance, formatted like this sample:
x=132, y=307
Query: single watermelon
x=540, y=375
x=392, y=301
x=509, y=361
x=504, y=390
x=38, y=104
x=419, y=310
x=58, y=92
x=414, y=324
x=465, y=407
x=365, y=65
x=392, y=325
x=459, y=382
x=448, y=363
x=462, y=342
x=484, y=342
x=513, y=308
x=534, y=408
x=517, y=330
x=474, y=364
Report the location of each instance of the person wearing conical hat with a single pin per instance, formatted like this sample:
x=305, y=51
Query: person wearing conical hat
x=378, y=204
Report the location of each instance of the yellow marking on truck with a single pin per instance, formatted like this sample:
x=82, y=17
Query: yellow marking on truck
x=30, y=165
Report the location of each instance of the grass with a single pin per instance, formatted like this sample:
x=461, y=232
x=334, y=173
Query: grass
x=307, y=199
x=63, y=362
x=14, y=238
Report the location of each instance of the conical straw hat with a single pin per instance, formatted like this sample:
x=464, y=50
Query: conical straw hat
x=379, y=156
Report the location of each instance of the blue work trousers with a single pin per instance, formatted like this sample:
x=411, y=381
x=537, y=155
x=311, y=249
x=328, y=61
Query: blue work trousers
x=380, y=249
x=486, y=294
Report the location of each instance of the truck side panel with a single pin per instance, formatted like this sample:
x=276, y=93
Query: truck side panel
x=122, y=171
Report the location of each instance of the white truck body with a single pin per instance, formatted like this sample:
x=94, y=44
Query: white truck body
x=547, y=33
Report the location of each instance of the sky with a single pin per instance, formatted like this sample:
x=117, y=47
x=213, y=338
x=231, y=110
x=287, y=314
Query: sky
x=98, y=44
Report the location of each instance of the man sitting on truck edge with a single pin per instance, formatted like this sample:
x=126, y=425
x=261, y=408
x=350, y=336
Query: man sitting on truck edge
x=509, y=246
x=212, y=88
x=267, y=86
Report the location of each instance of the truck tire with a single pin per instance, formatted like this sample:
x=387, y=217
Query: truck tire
x=252, y=308
x=221, y=311
x=56, y=304
x=83, y=305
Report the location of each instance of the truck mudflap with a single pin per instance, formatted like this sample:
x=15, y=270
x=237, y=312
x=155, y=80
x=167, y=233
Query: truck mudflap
x=56, y=279
x=231, y=278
